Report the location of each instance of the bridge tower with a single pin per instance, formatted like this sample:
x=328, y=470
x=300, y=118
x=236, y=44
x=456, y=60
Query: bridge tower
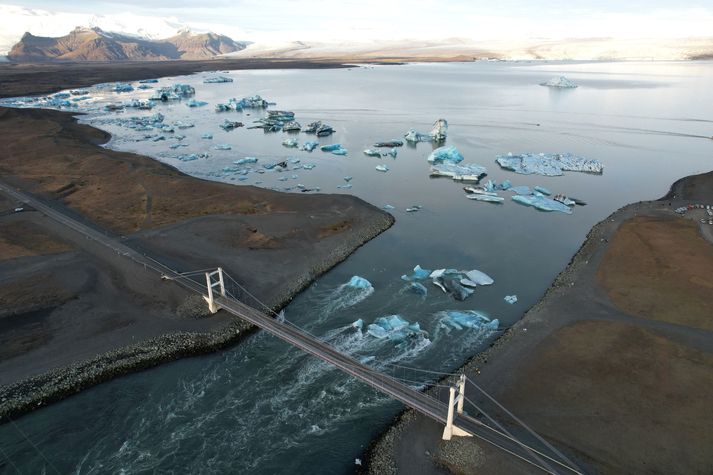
x=212, y=280
x=455, y=403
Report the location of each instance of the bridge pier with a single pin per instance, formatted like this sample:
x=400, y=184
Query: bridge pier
x=210, y=284
x=455, y=403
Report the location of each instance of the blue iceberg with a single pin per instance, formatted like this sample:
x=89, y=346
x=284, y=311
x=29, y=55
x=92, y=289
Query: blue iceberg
x=122, y=87
x=195, y=103
x=217, y=80
x=359, y=283
x=419, y=273
x=511, y=299
x=228, y=125
x=382, y=168
x=148, y=81
x=245, y=160
x=448, y=153
x=543, y=190
x=542, y=203
x=460, y=319
x=395, y=328
x=549, y=164
x=309, y=146
x=330, y=147
x=290, y=143
x=222, y=146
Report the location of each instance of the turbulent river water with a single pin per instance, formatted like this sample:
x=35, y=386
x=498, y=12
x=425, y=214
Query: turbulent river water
x=264, y=407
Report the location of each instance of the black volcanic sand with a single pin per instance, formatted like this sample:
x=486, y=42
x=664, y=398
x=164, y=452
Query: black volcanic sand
x=73, y=313
x=614, y=366
x=26, y=79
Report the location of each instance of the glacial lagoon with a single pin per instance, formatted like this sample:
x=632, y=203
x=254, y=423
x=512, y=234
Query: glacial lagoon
x=262, y=406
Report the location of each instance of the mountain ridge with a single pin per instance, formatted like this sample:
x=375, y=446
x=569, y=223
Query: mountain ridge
x=95, y=44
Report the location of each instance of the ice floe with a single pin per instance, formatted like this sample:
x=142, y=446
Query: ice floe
x=548, y=164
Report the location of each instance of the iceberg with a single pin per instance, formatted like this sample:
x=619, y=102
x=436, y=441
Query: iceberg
x=139, y=104
x=392, y=152
x=458, y=172
x=480, y=278
x=548, y=164
x=419, y=273
x=207, y=136
x=382, y=168
x=341, y=151
x=253, y=102
x=191, y=157
x=246, y=160
x=486, y=198
x=560, y=82
x=455, y=288
x=148, y=81
x=439, y=131
x=415, y=137
x=309, y=146
x=217, y=80
x=324, y=130
x=511, y=299
x=460, y=319
x=448, y=153
x=359, y=324
x=389, y=144
x=290, y=143
x=330, y=147
x=312, y=127
x=370, y=152
x=222, y=146
x=122, y=87
x=195, y=103
x=173, y=92
x=543, y=190
x=437, y=134
x=230, y=125
x=394, y=328
x=542, y=203
x=359, y=283
x=145, y=86
x=291, y=126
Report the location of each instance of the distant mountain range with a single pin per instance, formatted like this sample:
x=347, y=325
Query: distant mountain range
x=95, y=44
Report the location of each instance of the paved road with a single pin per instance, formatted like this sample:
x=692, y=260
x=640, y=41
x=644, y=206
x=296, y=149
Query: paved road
x=416, y=400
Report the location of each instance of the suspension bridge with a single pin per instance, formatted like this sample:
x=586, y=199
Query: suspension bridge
x=216, y=290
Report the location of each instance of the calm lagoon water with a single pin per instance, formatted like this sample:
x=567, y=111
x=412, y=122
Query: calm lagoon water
x=263, y=407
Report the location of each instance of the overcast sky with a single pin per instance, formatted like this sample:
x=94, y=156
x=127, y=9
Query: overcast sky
x=314, y=20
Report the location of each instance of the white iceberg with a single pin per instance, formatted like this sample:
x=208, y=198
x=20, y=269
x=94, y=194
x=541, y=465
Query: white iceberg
x=560, y=82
